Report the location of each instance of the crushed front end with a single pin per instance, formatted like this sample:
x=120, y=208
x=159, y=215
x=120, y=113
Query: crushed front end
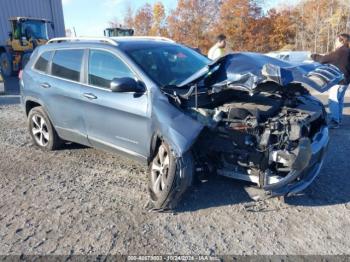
x=277, y=143
x=260, y=125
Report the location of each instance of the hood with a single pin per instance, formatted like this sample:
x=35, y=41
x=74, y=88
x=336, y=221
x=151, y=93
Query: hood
x=245, y=71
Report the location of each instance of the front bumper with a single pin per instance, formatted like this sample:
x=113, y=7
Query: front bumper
x=299, y=179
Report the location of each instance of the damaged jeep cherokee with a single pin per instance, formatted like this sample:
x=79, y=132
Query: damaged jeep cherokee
x=245, y=116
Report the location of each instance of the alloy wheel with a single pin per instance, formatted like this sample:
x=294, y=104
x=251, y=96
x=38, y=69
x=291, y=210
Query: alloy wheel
x=160, y=170
x=40, y=130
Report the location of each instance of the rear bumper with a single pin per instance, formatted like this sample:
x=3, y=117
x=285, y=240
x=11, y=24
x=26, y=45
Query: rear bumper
x=298, y=180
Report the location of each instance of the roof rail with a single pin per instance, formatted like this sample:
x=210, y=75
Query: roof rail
x=159, y=38
x=72, y=39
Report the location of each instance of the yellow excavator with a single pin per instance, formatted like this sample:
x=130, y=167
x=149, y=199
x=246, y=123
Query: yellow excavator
x=26, y=34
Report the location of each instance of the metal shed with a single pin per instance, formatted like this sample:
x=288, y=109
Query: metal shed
x=47, y=9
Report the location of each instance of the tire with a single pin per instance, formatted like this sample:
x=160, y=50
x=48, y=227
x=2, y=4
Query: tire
x=6, y=64
x=168, y=178
x=41, y=130
x=25, y=60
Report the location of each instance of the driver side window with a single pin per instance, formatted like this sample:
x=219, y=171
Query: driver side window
x=104, y=67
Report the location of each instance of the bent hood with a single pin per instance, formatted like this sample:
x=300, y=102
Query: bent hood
x=245, y=71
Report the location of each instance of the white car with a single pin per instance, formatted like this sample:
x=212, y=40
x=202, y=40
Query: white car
x=292, y=56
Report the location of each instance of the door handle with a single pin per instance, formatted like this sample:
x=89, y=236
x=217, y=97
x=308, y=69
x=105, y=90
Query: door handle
x=89, y=96
x=45, y=85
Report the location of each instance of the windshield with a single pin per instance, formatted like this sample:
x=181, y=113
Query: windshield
x=168, y=64
x=35, y=29
x=119, y=32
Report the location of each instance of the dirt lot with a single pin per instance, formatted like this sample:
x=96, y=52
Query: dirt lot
x=83, y=201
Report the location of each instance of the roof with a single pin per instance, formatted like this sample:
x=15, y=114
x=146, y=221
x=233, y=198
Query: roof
x=27, y=18
x=118, y=28
x=122, y=42
x=129, y=44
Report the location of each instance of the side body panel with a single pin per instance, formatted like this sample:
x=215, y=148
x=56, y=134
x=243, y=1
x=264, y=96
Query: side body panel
x=122, y=122
x=65, y=104
x=62, y=101
x=117, y=120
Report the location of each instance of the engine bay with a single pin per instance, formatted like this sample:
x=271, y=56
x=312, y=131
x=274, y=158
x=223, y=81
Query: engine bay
x=258, y=137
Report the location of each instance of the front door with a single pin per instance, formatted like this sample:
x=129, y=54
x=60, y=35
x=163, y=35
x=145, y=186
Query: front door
x=114, y=120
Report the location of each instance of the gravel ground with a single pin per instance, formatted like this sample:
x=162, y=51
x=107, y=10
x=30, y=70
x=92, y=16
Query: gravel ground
x=83, y=201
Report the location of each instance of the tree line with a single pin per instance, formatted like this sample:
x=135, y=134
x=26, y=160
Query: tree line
x=308, y=25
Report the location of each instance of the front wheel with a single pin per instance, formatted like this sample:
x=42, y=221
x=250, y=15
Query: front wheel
x=168, y=178
x=41, y=130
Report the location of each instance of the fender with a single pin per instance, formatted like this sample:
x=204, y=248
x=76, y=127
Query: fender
x=35, y=100
x=176, y=128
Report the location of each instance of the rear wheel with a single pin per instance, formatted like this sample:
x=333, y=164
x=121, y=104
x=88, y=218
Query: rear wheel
x=168, y=178
x=6, y=64
x=41, y=130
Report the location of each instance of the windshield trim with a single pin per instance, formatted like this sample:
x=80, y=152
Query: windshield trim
x=201, y=72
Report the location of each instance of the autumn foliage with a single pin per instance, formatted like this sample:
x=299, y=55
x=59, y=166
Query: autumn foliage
x=310, y=25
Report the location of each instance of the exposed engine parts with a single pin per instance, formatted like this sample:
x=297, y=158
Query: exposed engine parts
x=259, y=138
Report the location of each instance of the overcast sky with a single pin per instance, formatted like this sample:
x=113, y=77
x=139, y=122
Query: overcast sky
x=91, y=17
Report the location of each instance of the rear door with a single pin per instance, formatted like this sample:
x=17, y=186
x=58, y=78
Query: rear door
x=63, y=99
x=114, y=120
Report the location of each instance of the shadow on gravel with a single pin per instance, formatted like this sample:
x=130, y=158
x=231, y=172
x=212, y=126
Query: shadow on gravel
x=72, y=146
x=217, y=191
x=331, y=187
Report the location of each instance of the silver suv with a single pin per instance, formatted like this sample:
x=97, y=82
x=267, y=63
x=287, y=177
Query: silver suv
x=245, y=116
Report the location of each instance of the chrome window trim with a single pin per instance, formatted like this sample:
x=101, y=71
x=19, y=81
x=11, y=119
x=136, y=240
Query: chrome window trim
x=71, y=81
x=49, y=62
x=54, y=51
x=136, y=77
x=81, y=65
x=81, y=83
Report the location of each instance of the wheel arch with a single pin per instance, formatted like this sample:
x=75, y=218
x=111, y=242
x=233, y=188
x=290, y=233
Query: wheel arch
x=183, y=172
x=30, y=104
x=155, y=143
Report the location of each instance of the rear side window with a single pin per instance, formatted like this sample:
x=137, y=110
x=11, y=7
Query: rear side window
x=43, y=62
x=104, y=67
x=67, y=64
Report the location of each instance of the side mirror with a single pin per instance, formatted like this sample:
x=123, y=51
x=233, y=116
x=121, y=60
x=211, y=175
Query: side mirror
x=126, y=84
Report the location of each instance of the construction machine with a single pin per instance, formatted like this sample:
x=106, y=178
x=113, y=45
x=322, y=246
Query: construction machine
x=118, y=31
x=26, y=34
